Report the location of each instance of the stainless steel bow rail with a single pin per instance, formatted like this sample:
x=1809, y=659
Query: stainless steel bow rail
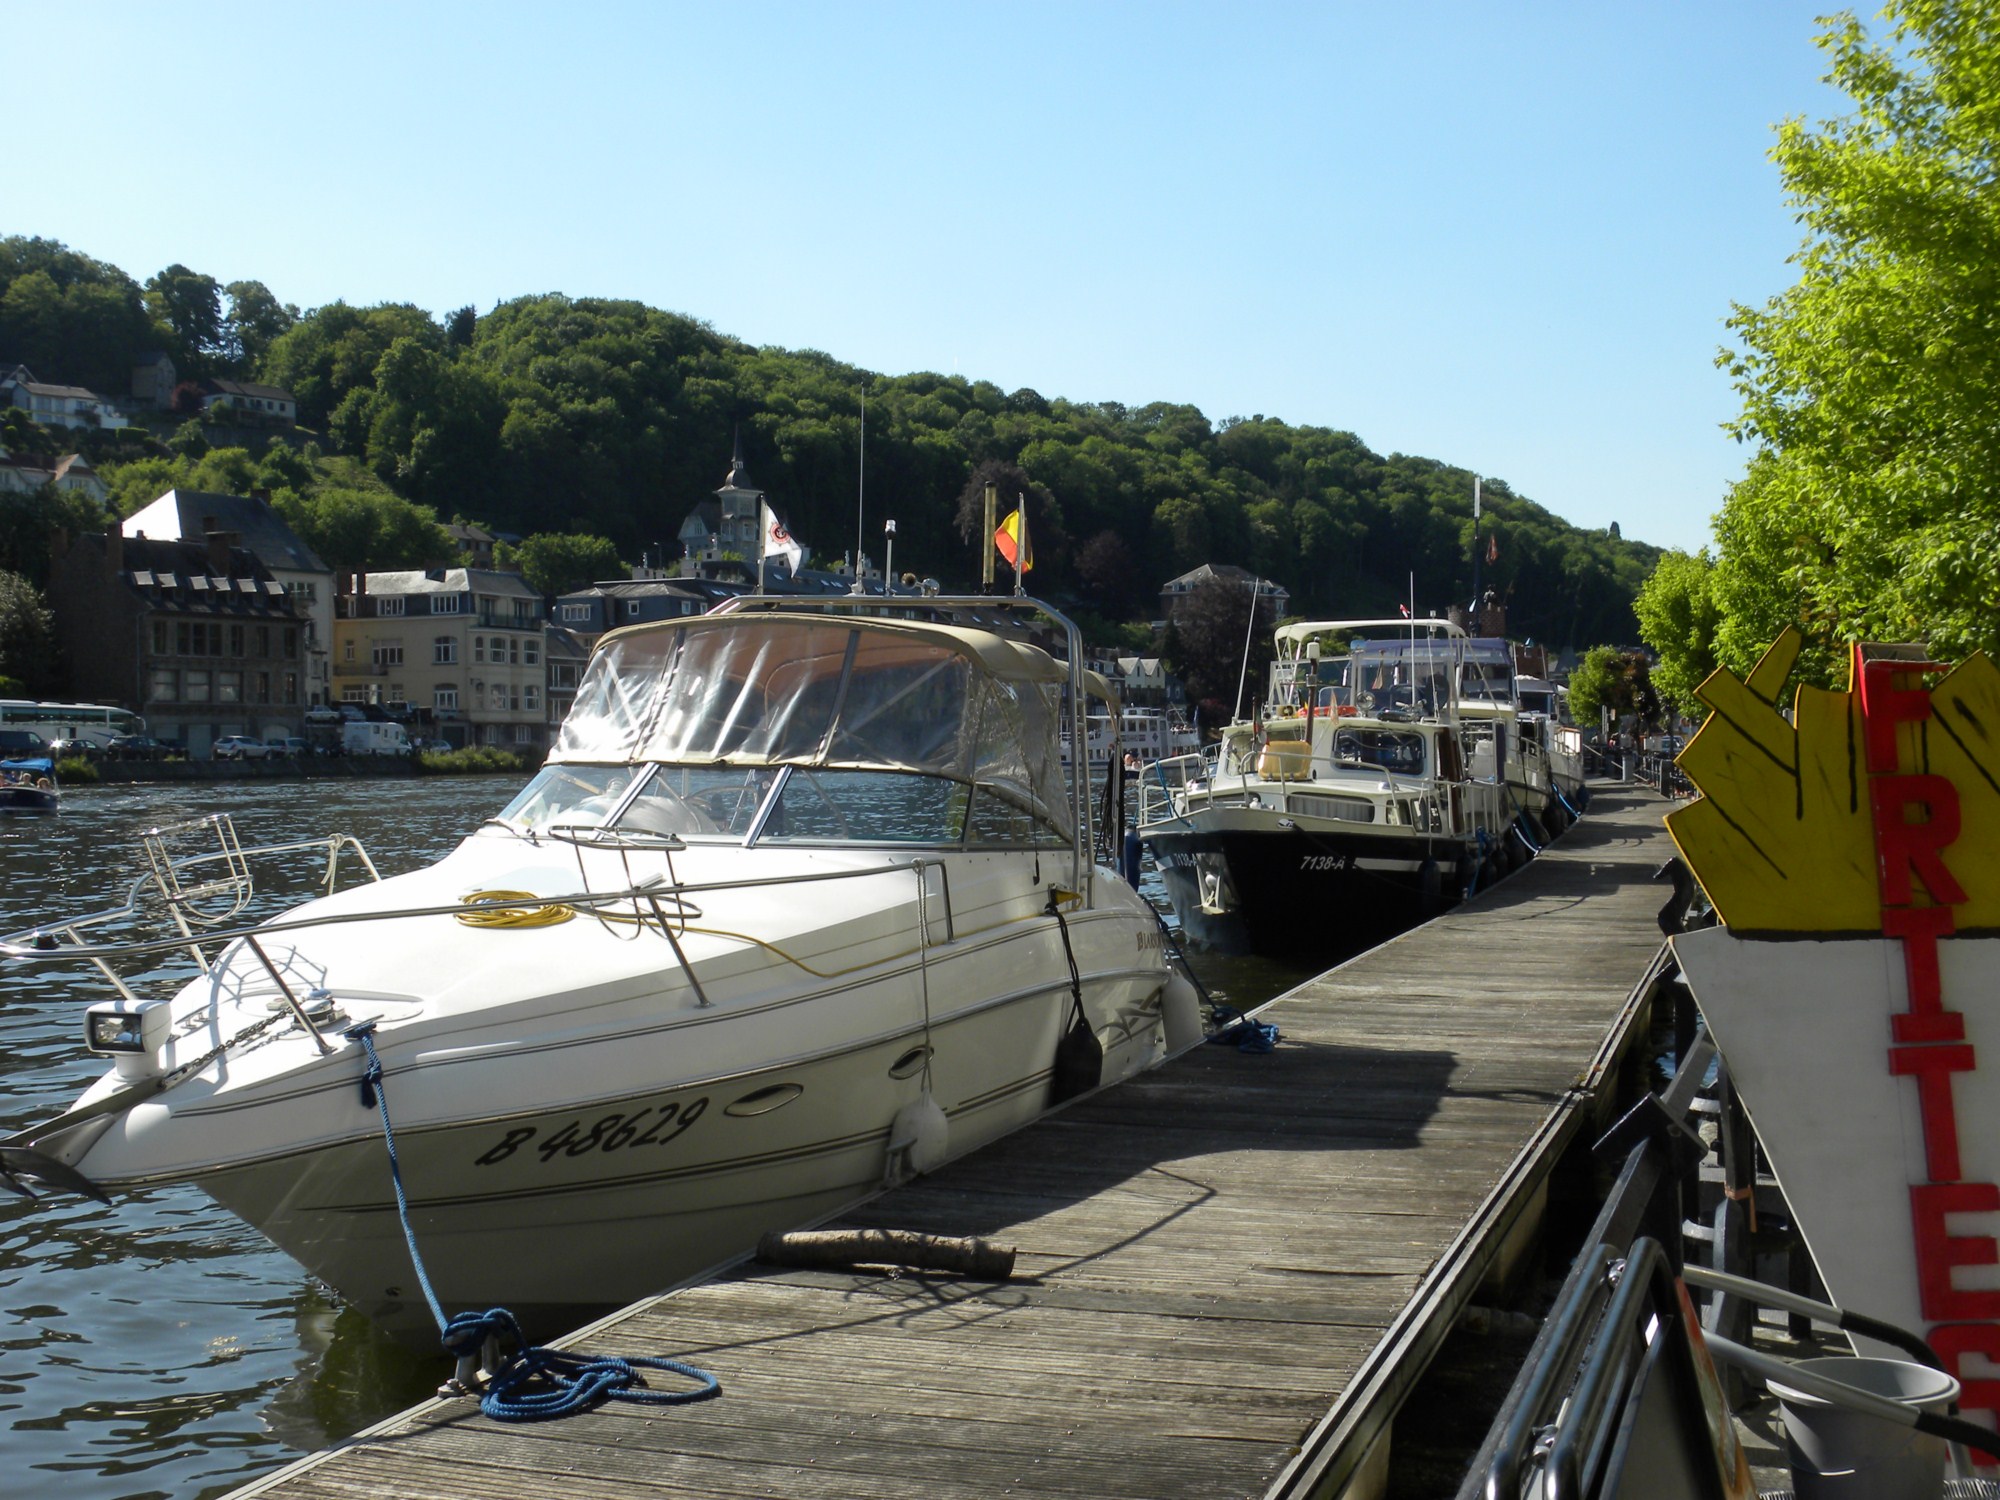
x=203, y=892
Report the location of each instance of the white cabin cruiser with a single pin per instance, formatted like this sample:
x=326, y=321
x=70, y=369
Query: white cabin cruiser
x=799, y=905
x=1346, y=814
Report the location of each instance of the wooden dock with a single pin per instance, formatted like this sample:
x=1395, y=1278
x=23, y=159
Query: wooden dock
x=1230, y=1271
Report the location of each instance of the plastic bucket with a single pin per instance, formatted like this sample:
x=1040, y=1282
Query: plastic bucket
x=1837, y=1453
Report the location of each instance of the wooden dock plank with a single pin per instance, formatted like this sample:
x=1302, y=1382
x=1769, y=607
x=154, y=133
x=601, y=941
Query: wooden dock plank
x=1214, y=1261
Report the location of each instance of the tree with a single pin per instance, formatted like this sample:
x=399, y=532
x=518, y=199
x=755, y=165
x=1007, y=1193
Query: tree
x=1872, y=508
x=28, y=651
x=1108, y=569
x=255, y=320
x=1217, y=623
x=190, y=304
x=1678, y=617
x=29, y=521
x=366, y=530
x=1613, y=679
x=554, y=564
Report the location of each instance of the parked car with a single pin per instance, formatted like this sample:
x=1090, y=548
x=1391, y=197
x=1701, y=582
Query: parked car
x=62, y=749
x=140, y=747
x=239, y=747
x=292, y=746
x=16, y=742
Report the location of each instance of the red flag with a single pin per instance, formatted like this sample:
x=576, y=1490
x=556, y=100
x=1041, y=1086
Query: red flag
x=1493, y=548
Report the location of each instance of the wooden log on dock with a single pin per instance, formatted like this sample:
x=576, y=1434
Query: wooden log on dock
x=845, y=1249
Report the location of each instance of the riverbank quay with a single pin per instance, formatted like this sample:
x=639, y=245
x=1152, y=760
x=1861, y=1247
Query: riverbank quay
x=270, y=768
x=1230, y=1272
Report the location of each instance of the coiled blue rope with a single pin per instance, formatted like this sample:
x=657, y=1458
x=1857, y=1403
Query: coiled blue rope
x=533, y=1384
x=1248, y=1035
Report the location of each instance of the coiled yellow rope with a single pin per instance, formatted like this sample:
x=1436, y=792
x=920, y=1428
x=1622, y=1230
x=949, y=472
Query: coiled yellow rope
x=508, y=909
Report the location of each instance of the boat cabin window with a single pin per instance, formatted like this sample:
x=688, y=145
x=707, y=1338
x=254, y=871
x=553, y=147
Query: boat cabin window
x=1386, y=749
x=1487, y=682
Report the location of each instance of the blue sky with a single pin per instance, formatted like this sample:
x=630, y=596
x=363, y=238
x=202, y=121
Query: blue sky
x=1502, y=236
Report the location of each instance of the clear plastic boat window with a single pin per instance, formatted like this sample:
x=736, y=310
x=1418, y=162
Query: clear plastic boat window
x=822, y=692
x=572, y=796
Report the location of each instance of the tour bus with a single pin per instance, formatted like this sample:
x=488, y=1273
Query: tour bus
x=96, y=722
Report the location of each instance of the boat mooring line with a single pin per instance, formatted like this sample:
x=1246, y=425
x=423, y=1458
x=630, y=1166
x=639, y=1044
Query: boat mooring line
x=532, y=1384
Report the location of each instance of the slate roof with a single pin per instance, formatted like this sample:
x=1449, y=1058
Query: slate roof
x=178, y=515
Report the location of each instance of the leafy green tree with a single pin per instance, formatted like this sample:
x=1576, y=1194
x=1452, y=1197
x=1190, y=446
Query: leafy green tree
x=1618, y=680
x=28, y=650
x=190, y=304
x=1678, y=616
x=555, y=564
x=1872, y=508
x=30, y=519
x=365, y=530
x=70, y=318
x=254, y=321
x=1220, y=627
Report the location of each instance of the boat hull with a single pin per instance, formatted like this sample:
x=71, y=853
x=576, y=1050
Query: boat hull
x=1312, y=893
x=704, y=1130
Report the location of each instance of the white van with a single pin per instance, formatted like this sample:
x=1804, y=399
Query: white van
x=367, y=737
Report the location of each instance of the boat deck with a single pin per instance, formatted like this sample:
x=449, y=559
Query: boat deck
x=1230, y=1270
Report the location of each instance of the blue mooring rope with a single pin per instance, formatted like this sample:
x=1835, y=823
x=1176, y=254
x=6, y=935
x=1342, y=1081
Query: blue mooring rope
x=1231, y=1025
x=533, y=1384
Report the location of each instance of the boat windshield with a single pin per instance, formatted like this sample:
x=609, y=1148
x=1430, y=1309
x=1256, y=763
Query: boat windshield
x=1397, y=750
x=897, y=730
x=787, y=804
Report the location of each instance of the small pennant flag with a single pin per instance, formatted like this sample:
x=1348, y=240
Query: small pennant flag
x=1493, y=548
x=1012, y=541
x=778, y=542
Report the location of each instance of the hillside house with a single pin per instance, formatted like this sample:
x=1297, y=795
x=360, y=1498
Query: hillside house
x=191, y=515
x=196, y=635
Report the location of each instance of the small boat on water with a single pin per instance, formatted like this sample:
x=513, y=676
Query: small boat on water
x=801, y=904
x=28, y=785
x=1348, y=812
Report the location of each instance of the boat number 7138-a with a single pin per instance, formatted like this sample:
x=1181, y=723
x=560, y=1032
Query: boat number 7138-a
x=614, y=1132
x=1325, y=861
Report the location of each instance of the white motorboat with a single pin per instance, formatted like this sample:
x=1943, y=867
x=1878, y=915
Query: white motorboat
x=1511, y=738
x=1346, y=814
x=800, y=904
x=1544, y=717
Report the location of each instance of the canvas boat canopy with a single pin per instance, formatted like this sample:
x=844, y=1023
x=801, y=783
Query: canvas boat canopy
x=825, y=691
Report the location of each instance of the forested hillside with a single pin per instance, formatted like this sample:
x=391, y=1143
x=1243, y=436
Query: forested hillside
x=553, y=414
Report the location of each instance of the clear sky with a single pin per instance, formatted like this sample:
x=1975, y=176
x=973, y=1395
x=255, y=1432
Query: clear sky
x=1504, y=236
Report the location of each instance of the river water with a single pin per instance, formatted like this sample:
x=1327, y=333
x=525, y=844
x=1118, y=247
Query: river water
x=159, y=1347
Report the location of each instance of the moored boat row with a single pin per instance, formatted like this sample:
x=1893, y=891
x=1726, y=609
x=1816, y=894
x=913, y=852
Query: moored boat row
x=1393, y=775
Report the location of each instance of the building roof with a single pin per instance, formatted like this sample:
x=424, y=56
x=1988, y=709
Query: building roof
x=185, y=515
x=177, y=575
x=1228, y=573
x=449, y=581
x=245, y=388
x=69, y=392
